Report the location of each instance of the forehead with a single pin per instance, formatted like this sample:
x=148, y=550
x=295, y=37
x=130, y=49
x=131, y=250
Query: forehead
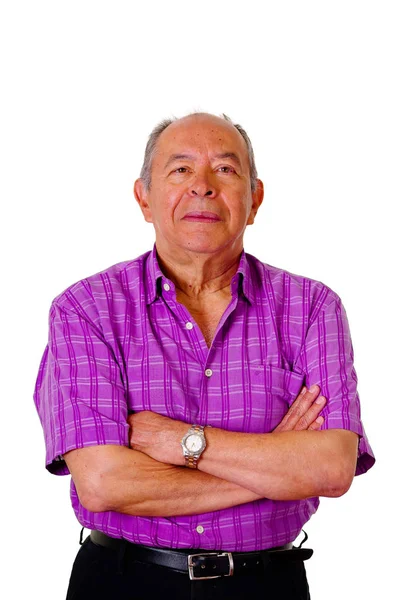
x=200, y=134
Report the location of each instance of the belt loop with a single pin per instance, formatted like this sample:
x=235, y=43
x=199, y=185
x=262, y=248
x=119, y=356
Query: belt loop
x=303, y=540
x=81, y=536
x=266, y=560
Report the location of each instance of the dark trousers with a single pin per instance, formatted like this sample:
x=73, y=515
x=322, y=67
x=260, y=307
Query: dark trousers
x=100, y=572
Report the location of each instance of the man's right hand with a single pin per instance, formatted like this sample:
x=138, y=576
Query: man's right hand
x=303, y=414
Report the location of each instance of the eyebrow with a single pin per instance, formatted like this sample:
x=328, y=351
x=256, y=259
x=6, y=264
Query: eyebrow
x=175, y=157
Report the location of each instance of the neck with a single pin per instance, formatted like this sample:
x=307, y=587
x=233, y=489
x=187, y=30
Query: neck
x=197, y=275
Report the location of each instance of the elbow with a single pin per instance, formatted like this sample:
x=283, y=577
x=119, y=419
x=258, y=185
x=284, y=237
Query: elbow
x=97, y=472
x=93, y=495
x=339, y=481
x=92, y=502
x=341, y=465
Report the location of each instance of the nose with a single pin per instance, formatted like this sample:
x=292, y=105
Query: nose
x=202, y=187
x=197, y=192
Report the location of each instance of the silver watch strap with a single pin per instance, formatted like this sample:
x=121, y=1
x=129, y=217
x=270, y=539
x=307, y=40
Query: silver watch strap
x=192, y=460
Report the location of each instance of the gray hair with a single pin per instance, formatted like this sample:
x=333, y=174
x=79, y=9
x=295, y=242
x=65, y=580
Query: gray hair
x=145, y=172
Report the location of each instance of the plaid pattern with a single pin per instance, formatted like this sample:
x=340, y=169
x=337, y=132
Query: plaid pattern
x=119, y=342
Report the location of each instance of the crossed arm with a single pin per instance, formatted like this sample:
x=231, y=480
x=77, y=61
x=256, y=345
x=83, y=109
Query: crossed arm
x=295, y=461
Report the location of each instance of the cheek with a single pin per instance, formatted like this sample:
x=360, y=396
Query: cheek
x=164, y=211
x=169, y=198
x=240, y=213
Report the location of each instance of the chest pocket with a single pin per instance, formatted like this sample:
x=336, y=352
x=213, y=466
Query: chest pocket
x=271, y=392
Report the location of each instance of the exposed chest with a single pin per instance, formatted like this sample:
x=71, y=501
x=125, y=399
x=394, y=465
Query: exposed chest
x=207, y=315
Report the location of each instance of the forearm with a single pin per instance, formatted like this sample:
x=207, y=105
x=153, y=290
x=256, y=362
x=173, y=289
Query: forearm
x=282, y=466
x=131, y=482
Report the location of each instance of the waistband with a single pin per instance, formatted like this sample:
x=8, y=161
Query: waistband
x=204, y=564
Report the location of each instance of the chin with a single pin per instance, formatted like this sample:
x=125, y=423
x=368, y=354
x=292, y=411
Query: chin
x=204, y=247
x=200, y=249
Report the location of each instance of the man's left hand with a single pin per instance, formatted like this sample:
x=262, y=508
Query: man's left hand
x=157, y=436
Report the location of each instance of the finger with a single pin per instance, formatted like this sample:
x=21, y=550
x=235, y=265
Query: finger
x=130, y=423
x=298, y=409
x=281, y=426
x=311, y=415
x=317, y=424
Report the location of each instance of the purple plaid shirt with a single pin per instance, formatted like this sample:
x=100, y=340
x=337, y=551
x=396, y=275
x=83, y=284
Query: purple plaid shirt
x=120, y=342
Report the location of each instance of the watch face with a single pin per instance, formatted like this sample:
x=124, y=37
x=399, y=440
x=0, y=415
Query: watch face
x=194, y=443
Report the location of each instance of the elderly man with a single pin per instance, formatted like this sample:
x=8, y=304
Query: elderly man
x=183, y=390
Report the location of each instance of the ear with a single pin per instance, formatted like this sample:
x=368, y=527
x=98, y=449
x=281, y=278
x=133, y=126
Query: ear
x=142, y=199
x=258, y=197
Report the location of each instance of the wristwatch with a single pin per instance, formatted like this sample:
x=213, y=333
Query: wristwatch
x=193, y=444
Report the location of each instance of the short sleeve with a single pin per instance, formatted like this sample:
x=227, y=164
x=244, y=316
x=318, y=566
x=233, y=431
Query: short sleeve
x=79, y=392
x=327, y=359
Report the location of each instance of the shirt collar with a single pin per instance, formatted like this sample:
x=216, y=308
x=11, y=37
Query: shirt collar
x=154, y=276
x=245, y=279
x=242, y=281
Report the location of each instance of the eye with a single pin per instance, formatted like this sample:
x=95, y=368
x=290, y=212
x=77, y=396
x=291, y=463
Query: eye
x=180, y=169
x=230, y=169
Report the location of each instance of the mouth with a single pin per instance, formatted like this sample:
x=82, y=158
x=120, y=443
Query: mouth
x=202, y=217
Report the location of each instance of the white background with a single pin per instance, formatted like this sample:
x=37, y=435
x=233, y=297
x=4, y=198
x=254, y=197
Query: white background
x=315, y=84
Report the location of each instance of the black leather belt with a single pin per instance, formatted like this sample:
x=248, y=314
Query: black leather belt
x=203, y=564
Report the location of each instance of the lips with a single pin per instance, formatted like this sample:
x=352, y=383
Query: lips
x=202, y=216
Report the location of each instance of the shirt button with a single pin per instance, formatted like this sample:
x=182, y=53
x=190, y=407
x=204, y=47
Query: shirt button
x=166, y=287
x=189, y=325
x=208, y=372
x=199, y=529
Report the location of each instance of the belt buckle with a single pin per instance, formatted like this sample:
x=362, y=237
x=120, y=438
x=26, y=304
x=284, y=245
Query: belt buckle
x=191, y=566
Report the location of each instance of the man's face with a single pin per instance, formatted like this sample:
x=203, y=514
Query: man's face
x=200, y=197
